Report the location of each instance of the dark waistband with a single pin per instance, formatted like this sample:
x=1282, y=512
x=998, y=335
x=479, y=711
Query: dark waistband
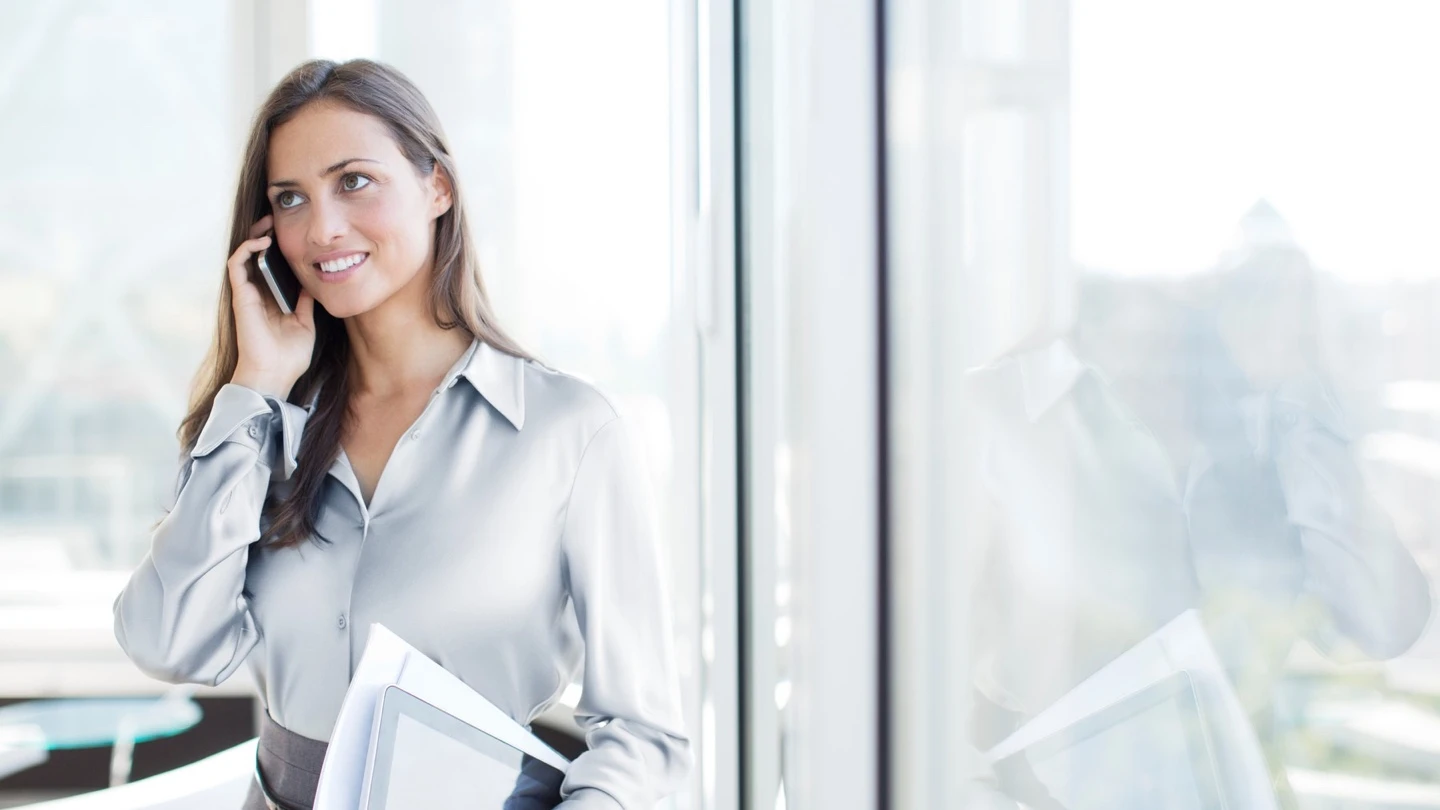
x=287, y=766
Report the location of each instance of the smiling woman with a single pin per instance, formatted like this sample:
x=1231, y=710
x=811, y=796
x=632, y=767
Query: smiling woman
x=506, y=525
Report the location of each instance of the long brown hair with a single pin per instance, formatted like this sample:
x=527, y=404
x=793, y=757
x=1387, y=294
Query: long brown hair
x=457, y=292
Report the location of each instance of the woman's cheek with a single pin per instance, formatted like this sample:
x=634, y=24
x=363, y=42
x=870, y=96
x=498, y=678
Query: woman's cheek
x=291, y=239
x=372, y=218
x=390, y=221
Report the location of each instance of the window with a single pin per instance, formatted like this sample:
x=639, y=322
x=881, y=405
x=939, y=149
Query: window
x=1161, y=279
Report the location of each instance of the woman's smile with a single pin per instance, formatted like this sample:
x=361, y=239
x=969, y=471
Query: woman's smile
x=334, y=268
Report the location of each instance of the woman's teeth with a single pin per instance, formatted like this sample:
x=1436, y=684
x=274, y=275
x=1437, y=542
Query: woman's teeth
x=340, y=264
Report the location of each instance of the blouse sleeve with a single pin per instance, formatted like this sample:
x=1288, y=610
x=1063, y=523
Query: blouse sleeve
x=630, y=705
x=183, y=616
x=1355, y=563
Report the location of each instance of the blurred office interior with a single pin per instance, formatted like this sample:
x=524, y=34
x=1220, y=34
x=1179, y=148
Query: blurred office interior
x=975, y=343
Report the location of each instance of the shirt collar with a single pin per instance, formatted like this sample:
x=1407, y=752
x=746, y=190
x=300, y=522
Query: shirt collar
x=499, y=377
x=1046, y=375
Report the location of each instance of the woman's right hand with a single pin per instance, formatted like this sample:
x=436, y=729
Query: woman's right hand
x=274, y=348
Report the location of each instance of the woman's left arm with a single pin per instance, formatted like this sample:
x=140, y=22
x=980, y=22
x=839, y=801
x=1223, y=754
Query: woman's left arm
x=630, y=708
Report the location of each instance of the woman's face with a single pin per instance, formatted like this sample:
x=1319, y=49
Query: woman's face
x=353, y=216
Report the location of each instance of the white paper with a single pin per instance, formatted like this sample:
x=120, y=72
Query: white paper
x=21, y=747
x=389, y=660
x=1181, y=645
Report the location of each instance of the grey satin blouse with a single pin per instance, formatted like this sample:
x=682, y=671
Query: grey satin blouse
x=511, y=530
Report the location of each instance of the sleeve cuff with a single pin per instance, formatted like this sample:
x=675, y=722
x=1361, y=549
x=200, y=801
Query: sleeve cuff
x=1308, y=402
x=238, y=414
x=590, y=799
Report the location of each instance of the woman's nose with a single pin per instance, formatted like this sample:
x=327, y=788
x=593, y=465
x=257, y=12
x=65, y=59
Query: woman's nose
x=327, y=224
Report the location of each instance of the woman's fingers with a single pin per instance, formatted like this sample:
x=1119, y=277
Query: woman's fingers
x=239, y=275
x=262, y=226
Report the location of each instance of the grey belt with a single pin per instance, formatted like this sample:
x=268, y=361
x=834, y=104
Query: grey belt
x=287, y=769
x=265, y=796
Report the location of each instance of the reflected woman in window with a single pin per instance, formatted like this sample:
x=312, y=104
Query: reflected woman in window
x=388, y=454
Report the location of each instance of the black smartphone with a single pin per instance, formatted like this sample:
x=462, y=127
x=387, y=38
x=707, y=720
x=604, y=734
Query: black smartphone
x=279, y=277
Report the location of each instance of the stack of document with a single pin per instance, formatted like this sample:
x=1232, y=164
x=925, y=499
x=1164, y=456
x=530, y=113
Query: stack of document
x=388, y=661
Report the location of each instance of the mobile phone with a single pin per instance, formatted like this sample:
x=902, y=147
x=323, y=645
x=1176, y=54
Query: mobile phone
x=279, y=277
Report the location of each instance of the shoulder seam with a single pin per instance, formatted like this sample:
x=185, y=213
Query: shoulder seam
x=592, y=387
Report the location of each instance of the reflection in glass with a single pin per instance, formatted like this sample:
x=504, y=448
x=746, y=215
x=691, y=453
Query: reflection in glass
x=1200, y=434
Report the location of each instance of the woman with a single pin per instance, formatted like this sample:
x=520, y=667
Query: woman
x=510, y=529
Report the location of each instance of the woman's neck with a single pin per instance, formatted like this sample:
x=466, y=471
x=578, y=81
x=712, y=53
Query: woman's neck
x=393, y=359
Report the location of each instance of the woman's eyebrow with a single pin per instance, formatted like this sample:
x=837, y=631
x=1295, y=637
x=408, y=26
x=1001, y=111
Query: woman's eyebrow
x=337, y=167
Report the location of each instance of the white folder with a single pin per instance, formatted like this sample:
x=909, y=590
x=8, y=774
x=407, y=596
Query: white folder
x=389, y=660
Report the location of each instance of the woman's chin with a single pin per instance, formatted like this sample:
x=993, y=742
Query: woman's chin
x=345, y=306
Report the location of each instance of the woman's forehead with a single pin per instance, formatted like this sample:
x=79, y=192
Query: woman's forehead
x=321, y=135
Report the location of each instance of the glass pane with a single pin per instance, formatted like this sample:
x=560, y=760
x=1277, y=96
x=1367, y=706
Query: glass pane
x=119, y=124
x=775, y=89
x=1165, y=400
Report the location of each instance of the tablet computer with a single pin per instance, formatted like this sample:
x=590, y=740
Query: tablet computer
x=421, y=756
x=1148, y=750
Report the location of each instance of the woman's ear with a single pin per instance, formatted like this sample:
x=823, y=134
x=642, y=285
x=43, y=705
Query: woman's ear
x=441, y=191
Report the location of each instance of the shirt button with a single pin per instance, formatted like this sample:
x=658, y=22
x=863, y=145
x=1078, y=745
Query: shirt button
x=415, y=435
x=342, y=621
x=254, y=431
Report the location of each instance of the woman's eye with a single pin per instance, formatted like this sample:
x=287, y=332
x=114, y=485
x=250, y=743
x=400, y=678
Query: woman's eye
x=287, y=199
x=354, y=182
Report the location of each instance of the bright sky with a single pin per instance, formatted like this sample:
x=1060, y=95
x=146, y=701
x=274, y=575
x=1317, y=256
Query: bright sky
x=1184, y=113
